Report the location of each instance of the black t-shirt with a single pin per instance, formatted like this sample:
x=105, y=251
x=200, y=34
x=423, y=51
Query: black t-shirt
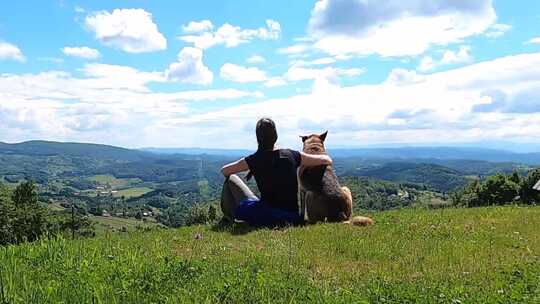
x=275, y=173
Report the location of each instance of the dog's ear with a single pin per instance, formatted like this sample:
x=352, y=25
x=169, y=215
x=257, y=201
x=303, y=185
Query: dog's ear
x=323, y=136
x=304, y=138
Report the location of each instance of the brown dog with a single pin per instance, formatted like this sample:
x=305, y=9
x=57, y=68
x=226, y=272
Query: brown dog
x=321, y=195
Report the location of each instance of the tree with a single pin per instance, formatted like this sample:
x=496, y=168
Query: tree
x=6, y=215
x=499, y=190
x=515, y=177
x=28, y=217
x=528, y=194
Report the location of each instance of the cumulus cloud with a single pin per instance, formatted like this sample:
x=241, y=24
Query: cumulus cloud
x=81, y=52
x=237, y=73
x=118, y=76
x=130, y=30
x=442, y=107
x=295, y=49
x=256, y=59
x=526, y=101
x=103, y=103
x=449, y=57
x=229, y=35
x=498, y=29
x=190, y=68
x=535, y=40
x=275, y=82
x=396, y=27
x=198, y=26
x=404, y=77
x=313, y=62
x=296, y=73
x=11, y=52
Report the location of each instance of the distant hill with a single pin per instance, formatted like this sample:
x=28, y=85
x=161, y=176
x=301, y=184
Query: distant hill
x=50, y=148
x=456, y=153
x=432, y=175
x=398, y=153
x=199, y=151
x=440, y=168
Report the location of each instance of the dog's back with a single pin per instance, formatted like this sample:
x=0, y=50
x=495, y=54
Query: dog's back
x=327, y=199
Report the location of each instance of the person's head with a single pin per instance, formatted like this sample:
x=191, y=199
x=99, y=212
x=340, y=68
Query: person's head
x=266, y=134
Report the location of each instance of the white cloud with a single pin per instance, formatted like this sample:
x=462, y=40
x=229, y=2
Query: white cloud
x=236, y=73
x=427, y=63
x=319, y=61
x=535, y=40
x=295, y=49
x=275, y=82
x=118, y=76
x=498, y=29
x=396, y=27
x=11, y=51
x=232, y=36
x=491, y=100
x=406, y=108
x=449, y=57
x=256, y=59
x=130, y=30
x=107, y=104
x=404, y=77
x=190, y=68
x=198, y=26
x=82, y=52
x=296, y=73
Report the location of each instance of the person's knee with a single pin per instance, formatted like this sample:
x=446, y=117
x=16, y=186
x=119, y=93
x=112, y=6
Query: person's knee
x=233, y=178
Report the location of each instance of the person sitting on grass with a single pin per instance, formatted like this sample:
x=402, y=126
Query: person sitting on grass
x=275, y=171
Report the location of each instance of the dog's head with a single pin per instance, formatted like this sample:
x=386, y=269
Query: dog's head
x=314, y=143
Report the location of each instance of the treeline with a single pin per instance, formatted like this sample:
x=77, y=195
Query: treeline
x=499, y=189
x=24, y=219
x=374, y=194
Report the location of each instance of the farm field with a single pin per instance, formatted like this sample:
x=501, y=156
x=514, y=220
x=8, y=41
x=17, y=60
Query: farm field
x=105, y=224
x=132, y=192
x=113, y=181
x=476, y=255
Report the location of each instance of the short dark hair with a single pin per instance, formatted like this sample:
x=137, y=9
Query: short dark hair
x=266, y=134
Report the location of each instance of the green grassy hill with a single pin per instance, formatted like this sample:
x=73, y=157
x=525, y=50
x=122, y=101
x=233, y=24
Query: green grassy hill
x=50, y=148
x=481, y=255
x=435, y=176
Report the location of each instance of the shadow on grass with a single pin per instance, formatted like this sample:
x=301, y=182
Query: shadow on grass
x=225, y=225
x=235, y=228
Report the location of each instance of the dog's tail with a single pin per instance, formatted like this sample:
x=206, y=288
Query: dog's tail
x=360, y=221
x=357, y=220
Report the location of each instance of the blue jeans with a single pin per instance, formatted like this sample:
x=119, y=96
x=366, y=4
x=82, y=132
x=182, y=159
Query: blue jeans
x=258, y=214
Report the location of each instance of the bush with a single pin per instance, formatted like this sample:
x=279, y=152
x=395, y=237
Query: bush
x=500, y=189
x=528, y=194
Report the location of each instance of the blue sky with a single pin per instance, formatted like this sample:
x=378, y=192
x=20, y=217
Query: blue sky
x=199, y=74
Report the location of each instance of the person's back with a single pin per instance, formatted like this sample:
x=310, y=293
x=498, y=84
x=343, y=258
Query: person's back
x=276, y=175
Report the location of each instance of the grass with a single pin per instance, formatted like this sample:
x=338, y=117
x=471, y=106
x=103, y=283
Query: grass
x=483, y=255
x=113, y=181
x=132, y=192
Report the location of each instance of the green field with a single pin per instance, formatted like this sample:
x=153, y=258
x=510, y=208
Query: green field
x=113, y=181
x=481, y=255
x=132, y=192
x=114, y=224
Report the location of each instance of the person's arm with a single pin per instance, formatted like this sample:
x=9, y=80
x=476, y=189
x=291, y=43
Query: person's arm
x=313, y=160
x=235, y=167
